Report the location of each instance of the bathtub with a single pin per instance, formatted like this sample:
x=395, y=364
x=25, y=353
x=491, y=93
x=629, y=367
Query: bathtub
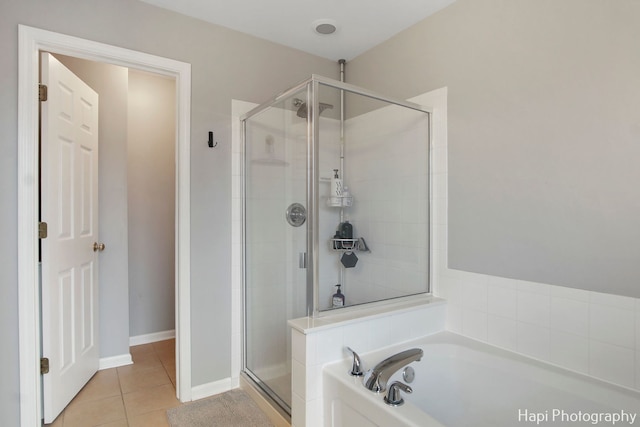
x=461, y=383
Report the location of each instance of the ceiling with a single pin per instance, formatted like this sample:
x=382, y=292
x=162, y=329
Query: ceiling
x=360, y=24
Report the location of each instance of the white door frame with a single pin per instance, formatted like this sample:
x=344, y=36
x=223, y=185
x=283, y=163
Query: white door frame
x=31, y=42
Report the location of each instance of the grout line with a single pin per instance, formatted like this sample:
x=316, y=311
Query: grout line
x=128, y=417
x=126, y=412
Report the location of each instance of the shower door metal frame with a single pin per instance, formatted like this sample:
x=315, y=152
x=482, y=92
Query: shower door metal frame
x=313, y=148
x=263, y=388
x=260, y=386
x=313, y=227
x=313, y=177
x=312, y=86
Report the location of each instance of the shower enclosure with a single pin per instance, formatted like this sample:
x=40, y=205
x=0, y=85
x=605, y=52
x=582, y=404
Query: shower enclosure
x=336, y=192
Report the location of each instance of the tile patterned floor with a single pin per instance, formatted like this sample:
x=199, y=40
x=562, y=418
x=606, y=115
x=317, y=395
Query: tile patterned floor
x=136, y=395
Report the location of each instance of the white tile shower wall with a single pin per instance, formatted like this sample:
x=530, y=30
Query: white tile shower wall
x=329, y=217
x=313, y=350
x=276, y=268
x=387, y=172
x=268, y=256
x=591, y=333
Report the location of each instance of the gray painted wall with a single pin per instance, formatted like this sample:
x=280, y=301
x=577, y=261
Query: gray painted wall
x=151, y=194
x=226, y=65
x=544, y=133
x=137, y=201
x=137, y=191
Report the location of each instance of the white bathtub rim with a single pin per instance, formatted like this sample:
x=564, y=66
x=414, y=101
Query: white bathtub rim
x=601, y=390
x=482, y=346
x=363, y=313
x=408, y=414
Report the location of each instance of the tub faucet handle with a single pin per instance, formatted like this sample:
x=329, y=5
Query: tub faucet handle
x=393, y=396
x=356, y=367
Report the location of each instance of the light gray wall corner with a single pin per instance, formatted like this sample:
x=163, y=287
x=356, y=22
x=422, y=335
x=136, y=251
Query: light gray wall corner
x=9, y=361
x=225, y=65
x=543, y=132
x=151, y=200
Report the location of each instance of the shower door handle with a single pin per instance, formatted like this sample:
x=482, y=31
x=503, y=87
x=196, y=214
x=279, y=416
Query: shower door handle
x=302, y=260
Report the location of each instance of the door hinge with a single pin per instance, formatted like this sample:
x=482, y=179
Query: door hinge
x=42, y=92
x=44, y=365
x=42, y=230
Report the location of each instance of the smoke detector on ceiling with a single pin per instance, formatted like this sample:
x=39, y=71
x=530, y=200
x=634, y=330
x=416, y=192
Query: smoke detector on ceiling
x=325, y=26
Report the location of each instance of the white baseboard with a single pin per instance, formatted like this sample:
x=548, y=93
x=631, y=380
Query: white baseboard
x=114, y=361
x=235, y=382
x=154, y=337
x=210, y=389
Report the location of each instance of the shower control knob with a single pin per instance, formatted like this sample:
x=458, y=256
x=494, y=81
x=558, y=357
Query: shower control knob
x=296, y=215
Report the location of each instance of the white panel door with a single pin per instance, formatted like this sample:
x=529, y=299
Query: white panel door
x=69, y=205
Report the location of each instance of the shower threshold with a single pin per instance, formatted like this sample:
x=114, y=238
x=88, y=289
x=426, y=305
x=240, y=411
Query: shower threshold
x=279, y=412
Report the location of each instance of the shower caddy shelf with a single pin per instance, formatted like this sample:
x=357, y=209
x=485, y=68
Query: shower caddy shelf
x=348, y=245
x=340, y=201
x=344, y=245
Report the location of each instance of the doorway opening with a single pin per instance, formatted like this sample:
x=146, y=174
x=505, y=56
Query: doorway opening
x=31, y=42
x=135, y=196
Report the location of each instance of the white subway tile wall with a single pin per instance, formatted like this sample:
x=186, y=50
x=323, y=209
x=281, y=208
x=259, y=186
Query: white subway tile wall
x=387, y=171
x=502, y=332
x=582, y=331
x=566, y=349
x=316, y=348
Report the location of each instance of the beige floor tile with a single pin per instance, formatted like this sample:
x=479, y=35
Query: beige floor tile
x=144, y=357
x=164, y=351
x=165, y=346
x=169, y=364
x=58, y=422
x=136, y=395
x=94, y=412
x=120, y=423
x=151, y=419
x=103, y=384
x=166, y=356
x=140, y=363
x=170, y=367
x=137, y=380
x=150, y=399
x=141, y=349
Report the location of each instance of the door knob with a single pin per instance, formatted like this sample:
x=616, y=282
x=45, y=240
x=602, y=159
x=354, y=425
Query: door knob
x=98, y=247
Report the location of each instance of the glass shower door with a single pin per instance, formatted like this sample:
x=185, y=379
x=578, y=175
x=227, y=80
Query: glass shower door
x=275, y=242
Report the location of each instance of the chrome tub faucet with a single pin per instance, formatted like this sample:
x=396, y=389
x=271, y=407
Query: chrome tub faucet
x=377, y=378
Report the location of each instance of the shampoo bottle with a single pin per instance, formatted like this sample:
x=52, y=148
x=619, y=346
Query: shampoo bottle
x=346, y=230
x=347, y=200
x=338, y=298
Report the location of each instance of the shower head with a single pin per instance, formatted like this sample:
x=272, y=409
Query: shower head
x=301, y=107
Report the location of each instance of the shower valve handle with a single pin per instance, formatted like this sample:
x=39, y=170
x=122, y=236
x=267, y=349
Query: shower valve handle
x=393, y=396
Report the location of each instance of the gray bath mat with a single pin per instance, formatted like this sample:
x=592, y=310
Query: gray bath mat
x=233, y=408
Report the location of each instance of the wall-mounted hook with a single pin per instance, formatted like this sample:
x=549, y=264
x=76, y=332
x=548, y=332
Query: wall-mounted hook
x=211, y=143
